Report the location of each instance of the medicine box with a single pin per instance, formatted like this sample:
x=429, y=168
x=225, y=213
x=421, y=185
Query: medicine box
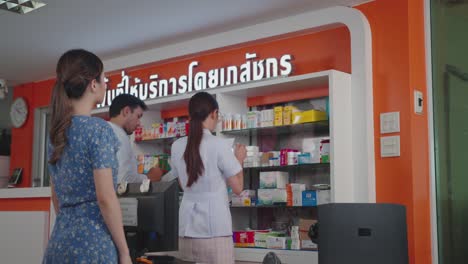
x=271, y=196
x=287, y=114
x=273, y=179
x=244, y=238
x=314, y=198
x=294, y=192
x=261, y=237
x=278, y=115
x=276, y=242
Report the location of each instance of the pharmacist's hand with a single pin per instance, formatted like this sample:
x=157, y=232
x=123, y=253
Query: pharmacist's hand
x=125, y=259
x=240, y=152
x=155, y=174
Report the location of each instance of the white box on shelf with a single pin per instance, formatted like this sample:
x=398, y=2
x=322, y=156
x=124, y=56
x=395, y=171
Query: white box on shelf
x=312, y=146
x=308, y=244
x=296, y=192
x=274, y=179
x=276, y=242
x=271, y=196
x=323, y=197
x=265, y=196
x=252, y=149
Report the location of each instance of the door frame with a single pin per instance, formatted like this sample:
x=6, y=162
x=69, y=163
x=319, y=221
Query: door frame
x=430, y=114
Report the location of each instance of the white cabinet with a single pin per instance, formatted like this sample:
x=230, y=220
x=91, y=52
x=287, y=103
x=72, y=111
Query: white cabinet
x=350, y=171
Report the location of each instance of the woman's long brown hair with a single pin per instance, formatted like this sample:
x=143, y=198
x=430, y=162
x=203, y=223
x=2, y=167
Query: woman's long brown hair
x=200, y=106
x=75, y=70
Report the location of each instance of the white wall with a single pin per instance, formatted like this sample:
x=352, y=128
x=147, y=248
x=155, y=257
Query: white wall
x=23, y=236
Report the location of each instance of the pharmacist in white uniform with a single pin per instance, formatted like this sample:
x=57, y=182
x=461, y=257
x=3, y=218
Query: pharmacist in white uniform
x=205, y=165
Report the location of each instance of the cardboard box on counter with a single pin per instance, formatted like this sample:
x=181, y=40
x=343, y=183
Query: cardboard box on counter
x=304, y=225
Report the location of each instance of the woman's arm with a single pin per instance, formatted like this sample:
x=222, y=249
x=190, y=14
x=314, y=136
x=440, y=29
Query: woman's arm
x=54, y=197
x=236, y=182
x=110, y=208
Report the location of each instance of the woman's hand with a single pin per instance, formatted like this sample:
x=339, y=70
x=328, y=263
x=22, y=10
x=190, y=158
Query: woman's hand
x=240, y=152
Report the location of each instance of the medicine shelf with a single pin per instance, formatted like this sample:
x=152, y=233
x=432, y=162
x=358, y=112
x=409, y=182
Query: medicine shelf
x=158, y=140
x=161, y=140
x=271, y=206
x=286, y=255
x=317, y=127
x=290, y=167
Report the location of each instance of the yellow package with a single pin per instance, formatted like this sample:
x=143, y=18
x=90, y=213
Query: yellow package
x=287, y=114
x=296, y=118
x=313, y=116
x=278, y=115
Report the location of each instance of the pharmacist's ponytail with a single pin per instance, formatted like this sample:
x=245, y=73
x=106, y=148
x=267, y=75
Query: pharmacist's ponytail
x=75, y=70
x=201, y=105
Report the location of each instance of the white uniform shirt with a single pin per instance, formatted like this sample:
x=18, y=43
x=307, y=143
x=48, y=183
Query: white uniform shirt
x=128, y=170
x=204, y=211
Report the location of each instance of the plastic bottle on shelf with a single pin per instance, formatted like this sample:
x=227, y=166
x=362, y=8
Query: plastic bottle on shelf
x=325, y=150
x=295, y=241
x=227, y=122
x=138, y=133
x=244, y=121
x=236, y=120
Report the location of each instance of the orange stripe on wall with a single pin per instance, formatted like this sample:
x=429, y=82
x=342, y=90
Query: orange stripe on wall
x=176, y=112
x=25, y=204
x=284, y=97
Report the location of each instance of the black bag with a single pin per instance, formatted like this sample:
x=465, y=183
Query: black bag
x=271, y=258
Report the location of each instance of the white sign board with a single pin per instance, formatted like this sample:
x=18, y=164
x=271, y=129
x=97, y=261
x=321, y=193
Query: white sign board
x=129, y=208
x=254, y=69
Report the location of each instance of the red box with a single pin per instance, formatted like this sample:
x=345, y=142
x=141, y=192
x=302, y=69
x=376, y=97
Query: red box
x=244, y=238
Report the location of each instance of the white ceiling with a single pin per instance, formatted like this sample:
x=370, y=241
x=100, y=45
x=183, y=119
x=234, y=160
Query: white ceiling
x=31, y=44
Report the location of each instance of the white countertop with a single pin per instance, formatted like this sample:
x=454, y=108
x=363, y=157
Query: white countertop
x=36, y=192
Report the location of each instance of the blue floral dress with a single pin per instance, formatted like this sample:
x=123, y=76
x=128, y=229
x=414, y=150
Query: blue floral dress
x=80, y=234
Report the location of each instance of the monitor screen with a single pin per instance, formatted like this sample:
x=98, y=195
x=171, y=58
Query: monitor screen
x=151, y=219
x=365, y=233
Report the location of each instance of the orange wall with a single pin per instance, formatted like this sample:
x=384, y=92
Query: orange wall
x=25, y=204
x=36, y=95
x=398, y=68
x=311, y=53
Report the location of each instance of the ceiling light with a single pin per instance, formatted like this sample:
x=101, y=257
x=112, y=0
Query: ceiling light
x=20, y=6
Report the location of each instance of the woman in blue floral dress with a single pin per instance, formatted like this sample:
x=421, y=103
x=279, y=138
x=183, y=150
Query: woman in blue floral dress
x=82, y=165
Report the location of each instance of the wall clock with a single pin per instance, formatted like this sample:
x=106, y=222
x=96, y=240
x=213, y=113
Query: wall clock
x=18, y=112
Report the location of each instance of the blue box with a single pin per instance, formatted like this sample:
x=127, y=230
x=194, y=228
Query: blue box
x=309, y=198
